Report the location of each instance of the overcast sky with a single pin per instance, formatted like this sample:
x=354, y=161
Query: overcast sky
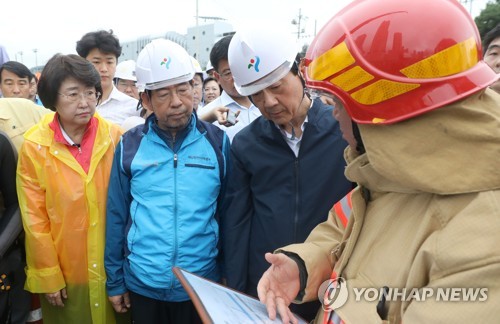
x=53, y=26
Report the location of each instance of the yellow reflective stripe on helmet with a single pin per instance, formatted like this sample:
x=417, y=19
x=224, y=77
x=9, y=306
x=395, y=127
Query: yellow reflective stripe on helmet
x=330, y=62
x=352, y=78
x=381, y=90
x=376, y=120
x=445, y=62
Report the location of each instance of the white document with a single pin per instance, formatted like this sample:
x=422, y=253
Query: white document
x=224, y=305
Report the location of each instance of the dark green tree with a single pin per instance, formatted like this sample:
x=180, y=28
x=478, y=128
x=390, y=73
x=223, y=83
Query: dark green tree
x=489, y=17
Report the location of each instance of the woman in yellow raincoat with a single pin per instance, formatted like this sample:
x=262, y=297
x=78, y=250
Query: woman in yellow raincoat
x=62, y=182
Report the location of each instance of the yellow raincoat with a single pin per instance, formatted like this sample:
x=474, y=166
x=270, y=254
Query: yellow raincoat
x=63, y=211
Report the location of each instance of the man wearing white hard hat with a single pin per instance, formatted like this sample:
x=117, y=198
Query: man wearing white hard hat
x=125, y=79
x=165, y=189
x=209, y=70
x=197, y=84
x=230, y=100
x=288, y=166
x=126, y=82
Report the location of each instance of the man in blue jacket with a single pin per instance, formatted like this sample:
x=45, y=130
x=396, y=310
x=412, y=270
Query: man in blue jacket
x=165, y=185
x=288, y=166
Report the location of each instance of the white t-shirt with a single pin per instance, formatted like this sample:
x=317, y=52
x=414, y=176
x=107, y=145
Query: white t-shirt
x=118, y=107
x=131, y=122
x=292, y=140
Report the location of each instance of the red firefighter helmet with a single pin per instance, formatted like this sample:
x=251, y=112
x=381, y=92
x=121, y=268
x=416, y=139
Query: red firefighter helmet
x=390, y=60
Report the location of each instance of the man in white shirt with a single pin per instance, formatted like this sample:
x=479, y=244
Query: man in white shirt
x=118, y=107
x=102, y=49
x=229, y=98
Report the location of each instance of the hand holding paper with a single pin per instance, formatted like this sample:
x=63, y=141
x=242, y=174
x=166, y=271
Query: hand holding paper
x=218, y=304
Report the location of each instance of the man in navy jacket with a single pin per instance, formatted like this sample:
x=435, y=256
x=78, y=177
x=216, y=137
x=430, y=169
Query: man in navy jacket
x=288, y=166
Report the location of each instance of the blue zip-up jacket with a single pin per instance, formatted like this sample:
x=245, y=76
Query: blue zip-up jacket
x=161, y=209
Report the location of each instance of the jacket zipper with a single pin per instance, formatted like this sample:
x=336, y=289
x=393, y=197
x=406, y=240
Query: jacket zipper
x=174, y=258
x=296, y=219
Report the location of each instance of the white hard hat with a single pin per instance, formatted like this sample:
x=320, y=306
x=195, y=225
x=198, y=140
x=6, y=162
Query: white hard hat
x=163, y=63
x=209, y=67
x=196, y=64
x=259, y=58
x=126, y=70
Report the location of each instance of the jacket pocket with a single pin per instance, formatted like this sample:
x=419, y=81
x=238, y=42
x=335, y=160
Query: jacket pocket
x=214, y=226
x=131, y=228
x=200, y=166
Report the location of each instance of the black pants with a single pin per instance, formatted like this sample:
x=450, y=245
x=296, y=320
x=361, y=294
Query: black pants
x=151, y=311
x=15, y=303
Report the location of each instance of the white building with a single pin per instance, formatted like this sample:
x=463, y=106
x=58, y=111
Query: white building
x=198, y=41
x=201, y=39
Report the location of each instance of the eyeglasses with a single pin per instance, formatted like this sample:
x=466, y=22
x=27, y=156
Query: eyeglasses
x=327, y=97
x=316, y=93
x=89, y=95
x=227, y=76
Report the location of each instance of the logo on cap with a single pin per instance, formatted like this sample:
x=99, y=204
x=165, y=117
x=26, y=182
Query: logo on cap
x=254, y=63
x=166, y=61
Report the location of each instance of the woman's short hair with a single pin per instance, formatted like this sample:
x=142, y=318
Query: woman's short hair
x=61, y=67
